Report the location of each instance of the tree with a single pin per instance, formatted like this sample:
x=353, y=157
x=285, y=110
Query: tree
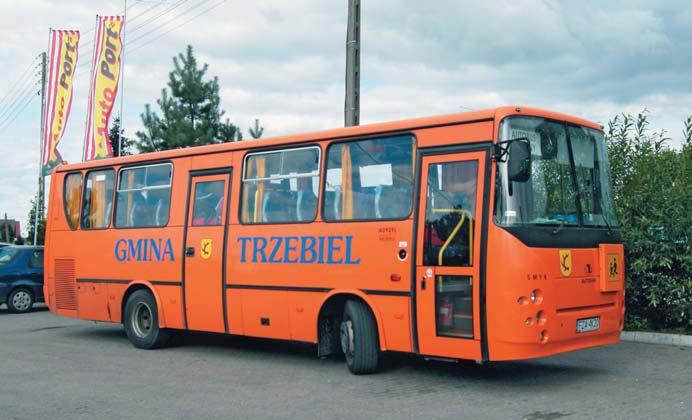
x=40, y=238
x=126, y=143
x=229, y=132
x=190, y=114
x=652, y=198
x=6, y=231
x=257, y=130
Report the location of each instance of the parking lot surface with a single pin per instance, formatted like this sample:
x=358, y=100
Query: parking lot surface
x=59, y=368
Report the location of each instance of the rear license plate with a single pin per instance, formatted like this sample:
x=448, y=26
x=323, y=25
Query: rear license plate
x=588, y=324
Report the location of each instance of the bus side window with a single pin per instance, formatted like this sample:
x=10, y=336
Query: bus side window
x=144, y=196
x=208, y=203
x=281, y=186
x=72, y=194
x=98, y=199
x=369, y=179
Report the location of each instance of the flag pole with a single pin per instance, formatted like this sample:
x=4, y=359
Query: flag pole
x=122, y=80
x=39, y=204
x=91, y=85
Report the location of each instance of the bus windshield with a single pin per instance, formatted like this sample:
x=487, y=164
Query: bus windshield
x=569, y=183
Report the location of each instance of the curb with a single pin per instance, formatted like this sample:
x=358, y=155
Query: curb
x=657, y=338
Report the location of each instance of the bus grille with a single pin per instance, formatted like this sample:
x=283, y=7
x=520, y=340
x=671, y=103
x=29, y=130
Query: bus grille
x=65, y=291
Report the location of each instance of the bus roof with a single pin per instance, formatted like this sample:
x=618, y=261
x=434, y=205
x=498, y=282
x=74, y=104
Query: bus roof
x=336, y=133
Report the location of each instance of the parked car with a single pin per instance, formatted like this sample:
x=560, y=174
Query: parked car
x=21, y=277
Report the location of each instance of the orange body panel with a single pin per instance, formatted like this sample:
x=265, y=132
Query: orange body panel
x=231, y=290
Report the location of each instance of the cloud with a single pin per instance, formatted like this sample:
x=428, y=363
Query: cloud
x=283, y=62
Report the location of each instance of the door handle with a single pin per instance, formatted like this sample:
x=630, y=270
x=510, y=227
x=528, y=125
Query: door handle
x=190, y=251
x=422, y=284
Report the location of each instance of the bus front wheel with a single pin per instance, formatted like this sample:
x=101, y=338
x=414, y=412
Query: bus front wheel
x=359, y=339
x=141, y=322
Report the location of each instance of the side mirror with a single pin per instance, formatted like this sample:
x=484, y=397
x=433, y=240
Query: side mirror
x=519, y=162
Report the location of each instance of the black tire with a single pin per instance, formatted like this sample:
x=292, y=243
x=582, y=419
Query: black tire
x=359, y=339
x=141, y=321
x=20, y=300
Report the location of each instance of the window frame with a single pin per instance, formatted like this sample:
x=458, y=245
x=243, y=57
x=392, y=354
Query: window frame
x=243, y=179
x=138, y=165
x=64, y=201
x=31, y=258
x=414, y=180
x=84, y=189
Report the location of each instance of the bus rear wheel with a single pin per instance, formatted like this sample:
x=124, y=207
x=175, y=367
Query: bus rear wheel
x=141, y=322
x=359, y=339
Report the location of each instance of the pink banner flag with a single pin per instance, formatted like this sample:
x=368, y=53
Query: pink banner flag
x=105, y=75
x=63, y=62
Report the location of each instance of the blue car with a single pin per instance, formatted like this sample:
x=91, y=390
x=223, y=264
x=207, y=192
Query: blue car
x=21, y=277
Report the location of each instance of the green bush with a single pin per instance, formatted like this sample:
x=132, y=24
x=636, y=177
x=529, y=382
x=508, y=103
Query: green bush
x=652, y=196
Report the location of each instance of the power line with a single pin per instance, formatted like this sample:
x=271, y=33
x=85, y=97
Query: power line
x=20, y=80
x=130, y=20
x=91, y=41
x=144, y=12
x=195, y=6
x=119, y=13
x=143, y=24
x=17, y=100
x=7, y=123
x=214, y=6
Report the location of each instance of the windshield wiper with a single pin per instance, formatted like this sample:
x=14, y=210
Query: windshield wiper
x=559, y=228
x=610, y=231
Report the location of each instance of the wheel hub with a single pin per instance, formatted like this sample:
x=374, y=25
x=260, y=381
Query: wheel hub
x=21, y=300
x=347, y=342
x=142, y=320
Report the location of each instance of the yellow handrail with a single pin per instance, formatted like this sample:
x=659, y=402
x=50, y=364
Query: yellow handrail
x=455, y=231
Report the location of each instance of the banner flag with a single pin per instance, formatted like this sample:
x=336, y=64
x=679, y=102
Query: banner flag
x=63, y=62
x=105, y=75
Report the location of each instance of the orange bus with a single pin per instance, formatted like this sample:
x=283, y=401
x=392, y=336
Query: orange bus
x=487, y=235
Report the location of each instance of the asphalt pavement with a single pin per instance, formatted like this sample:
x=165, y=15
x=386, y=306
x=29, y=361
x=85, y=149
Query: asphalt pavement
x=64, y=369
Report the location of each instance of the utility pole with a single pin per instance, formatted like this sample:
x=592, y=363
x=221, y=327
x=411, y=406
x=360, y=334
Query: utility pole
x=352, y=103
x=38, y=213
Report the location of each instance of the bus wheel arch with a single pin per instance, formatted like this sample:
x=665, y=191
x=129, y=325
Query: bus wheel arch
x=329, y=319
x=133, y=287
x=140, y=319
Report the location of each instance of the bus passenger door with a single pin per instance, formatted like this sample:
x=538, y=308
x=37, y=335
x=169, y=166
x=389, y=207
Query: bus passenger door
x=205, y=240
x=448, y=255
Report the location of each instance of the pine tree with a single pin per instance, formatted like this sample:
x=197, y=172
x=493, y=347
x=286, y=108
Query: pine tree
x=127, y=143
x=190, y=114
x=257, y=130
x=229, y=132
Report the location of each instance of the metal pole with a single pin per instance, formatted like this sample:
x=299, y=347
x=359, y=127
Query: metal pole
x=122, y=80
x=91, y=86
x=38, y=211
x=7, y=230
x=352, y=102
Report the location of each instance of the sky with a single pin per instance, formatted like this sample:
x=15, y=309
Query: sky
x=283, y=62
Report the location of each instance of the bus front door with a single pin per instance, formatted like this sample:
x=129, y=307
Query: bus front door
x=205, y=238
x=448, y=257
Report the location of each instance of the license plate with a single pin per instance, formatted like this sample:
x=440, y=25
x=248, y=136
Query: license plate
x=588, y=324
